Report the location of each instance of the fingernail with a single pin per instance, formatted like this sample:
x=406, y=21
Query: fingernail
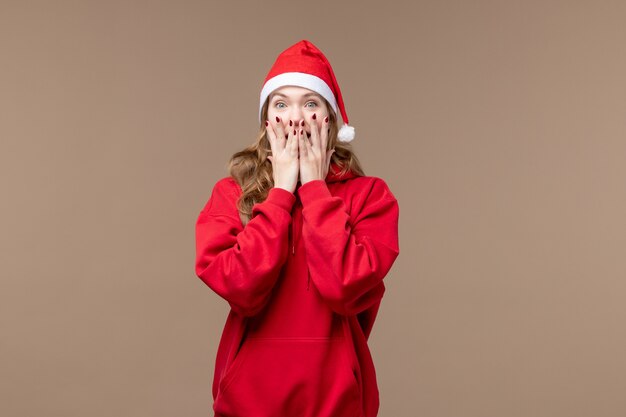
x=290, y=123
x=302, y=122
x=294, y=131
x=314, y=116
x=277, y=119
x=267, y=123
x=326, y=119
x=300, y=131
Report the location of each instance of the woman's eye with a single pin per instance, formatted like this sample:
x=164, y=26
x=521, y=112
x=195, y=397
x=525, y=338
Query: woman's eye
x=281, y=105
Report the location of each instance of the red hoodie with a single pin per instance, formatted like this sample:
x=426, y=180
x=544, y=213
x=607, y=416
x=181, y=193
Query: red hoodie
x=304, y=280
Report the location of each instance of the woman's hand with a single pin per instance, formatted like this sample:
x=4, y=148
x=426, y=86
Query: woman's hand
x=284, y=156
x=314, y=158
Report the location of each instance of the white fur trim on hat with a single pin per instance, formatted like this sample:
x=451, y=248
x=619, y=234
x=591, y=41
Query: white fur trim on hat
x=298, y=79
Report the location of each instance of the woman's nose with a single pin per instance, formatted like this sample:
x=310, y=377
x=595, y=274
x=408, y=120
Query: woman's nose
x=296, y=116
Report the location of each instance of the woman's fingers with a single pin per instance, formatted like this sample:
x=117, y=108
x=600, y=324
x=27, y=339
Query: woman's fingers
x=303, y=144
x=280, y=133
x=279, y=139
x=292, y=143
x=324, y=135
x=315, y=134
x=271, y=135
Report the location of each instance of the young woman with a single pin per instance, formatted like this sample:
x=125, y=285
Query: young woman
x=297, y=239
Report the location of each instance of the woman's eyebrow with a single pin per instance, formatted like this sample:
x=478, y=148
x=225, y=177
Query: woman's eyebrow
x=305, y=95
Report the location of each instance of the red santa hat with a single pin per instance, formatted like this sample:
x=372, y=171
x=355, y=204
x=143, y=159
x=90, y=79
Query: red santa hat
x=304, y=65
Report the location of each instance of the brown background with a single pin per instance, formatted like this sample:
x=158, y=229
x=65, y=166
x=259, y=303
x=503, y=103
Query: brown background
x=500, y=127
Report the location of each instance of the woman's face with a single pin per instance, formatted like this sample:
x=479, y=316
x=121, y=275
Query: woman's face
x=295, y=104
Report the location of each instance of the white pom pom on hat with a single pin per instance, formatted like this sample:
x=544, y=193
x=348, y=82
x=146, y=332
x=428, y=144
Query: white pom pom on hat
x=304, y=65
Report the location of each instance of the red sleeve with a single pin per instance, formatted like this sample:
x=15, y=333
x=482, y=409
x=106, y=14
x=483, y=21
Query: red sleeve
x=348, y=258
x=242, y=264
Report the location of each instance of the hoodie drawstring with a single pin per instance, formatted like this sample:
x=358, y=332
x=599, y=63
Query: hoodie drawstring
x=294, y=230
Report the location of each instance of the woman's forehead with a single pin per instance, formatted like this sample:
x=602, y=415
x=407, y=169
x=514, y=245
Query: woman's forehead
x=293, y=91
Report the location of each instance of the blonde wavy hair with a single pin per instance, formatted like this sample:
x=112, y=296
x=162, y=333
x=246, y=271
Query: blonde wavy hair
x=253, y=171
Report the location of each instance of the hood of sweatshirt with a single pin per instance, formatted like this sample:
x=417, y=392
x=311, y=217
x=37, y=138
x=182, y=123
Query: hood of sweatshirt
x=334, y=173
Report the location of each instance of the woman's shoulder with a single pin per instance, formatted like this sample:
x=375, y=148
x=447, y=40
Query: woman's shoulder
x=370, y=186
x=227, y=185
x=223, y=196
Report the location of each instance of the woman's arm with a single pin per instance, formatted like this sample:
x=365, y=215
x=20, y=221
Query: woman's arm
x=242, y=264
x=348, y=262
